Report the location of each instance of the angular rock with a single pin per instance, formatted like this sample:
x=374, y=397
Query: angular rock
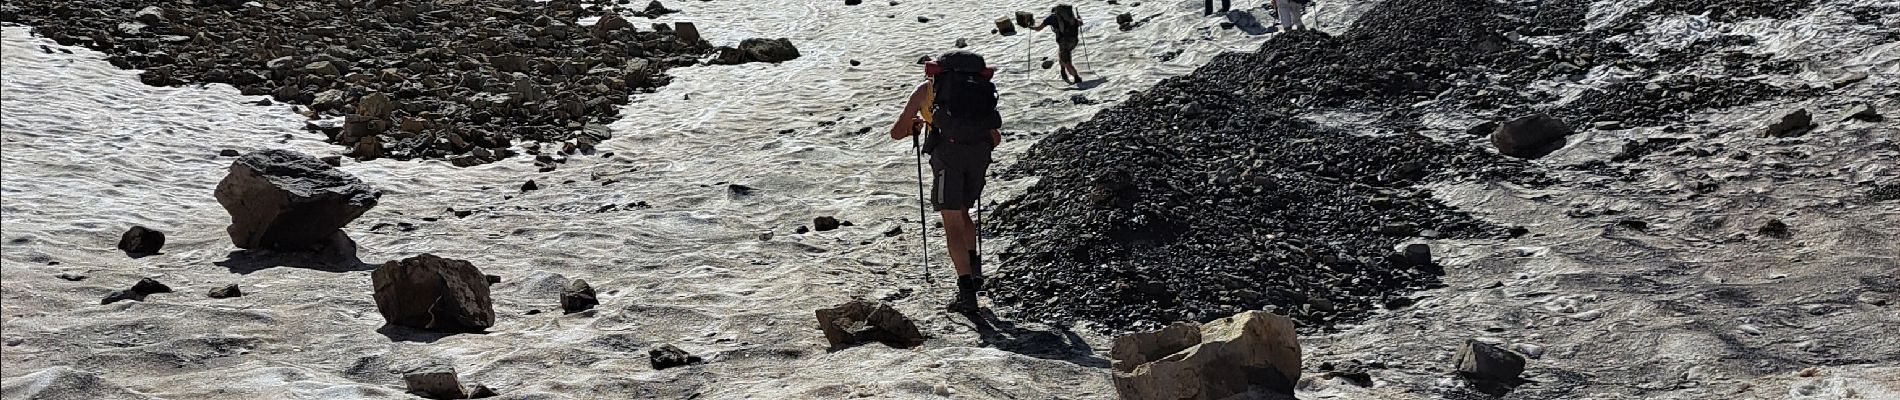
x=768, y=50
x=433, y=379
x=864, y=321
x=1791, y=124
x=1530, y=137
x=610, y=23
x=433, y=293
x=1864, y=112
x=284, y=200
x=140, y=241
x=1418, y=254
x=825, y=223
x=666, y=356
x=686, y=32
x=1480, y=361
x=480, y=391
x=1254, y=353
x=228, y=291
x=578, y=296
x=1004, y=27
x=139, y=290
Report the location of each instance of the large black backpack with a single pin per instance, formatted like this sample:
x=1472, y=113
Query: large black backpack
x=964, y=109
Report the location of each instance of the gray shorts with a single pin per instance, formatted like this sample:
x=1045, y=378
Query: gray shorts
x=957, y=172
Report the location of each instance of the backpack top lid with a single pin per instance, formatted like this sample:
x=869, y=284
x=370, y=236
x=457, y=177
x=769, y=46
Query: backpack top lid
x=962, y=61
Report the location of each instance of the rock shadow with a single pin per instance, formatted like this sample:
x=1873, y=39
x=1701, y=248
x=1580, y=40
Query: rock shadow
x=398, y=333
x=338, y=254
x=1091, y=84
x=1048, y=343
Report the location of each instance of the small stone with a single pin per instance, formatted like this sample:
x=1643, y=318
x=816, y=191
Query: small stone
x=144, y=287
x=1749, y=329
x=962, y=43
x=480, y=391
x=921, y=18
x=228, y=291
x=229, y=153
x=801, y=230
x=855, y=63
x=1530, y=137
x=530, y=185
x=333, y=161
x=578, y=296
x=667, y=356
x=70, y=276
x=1529, y=350
x=853, y=2
x=1808, y=372
x=492, y=279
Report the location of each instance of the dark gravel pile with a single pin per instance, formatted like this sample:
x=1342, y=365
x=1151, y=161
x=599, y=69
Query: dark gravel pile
x=457, y=80
x=1666, y=100
x=1201, y=197
x=1729, y=10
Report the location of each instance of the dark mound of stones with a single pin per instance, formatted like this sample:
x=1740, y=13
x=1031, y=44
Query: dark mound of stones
x=1666, y=100
x=458, y=80
x=1202, y=197
x=285, y=200
x=433, y=293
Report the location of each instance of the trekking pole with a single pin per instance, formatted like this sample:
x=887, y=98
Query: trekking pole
x=923, y=216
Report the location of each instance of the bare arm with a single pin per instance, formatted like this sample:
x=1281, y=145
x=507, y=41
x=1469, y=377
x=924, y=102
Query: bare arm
x=996, y=138
x=906, y=124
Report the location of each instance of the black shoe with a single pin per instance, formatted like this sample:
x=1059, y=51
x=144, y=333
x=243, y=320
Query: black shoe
x=965, y=303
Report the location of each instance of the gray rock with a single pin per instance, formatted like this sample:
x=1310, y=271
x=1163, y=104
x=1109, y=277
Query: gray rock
x=433, y=293
x=284, y=200
x=863, y=321
x=825, y=223
x=1864, y=112
x=433, y=379
x=1791, y=124
x=1480, y=361
x=578, y=296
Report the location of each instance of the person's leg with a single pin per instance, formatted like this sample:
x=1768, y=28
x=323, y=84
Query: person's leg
x=959, y=235
x=1284, y=9
x=1067, y=57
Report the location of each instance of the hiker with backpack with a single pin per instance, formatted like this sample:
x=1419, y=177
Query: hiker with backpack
x=955, y=110
x=1068, y=27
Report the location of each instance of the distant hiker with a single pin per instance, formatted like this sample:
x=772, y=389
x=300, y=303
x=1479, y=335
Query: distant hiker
x=957, y=103
x=1290, y=12
x=1068, y=27
x=1225, y=5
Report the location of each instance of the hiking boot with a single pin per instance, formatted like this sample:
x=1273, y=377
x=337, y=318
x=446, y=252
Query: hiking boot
x=965, y=303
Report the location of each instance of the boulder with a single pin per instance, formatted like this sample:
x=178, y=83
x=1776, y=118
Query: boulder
x=768, y=50
x=1791, y=124
x=863, y=321
x=666, y=356
x=824, y=223
x=1025, y=19
x=140, y=241
x=150, y=15
x=578, y=296
x=1480, y=361
x=1254, y=354
x=433, y=293
x=375, y=105
x=1530, y=137
x=433, y=379
x=1125, y=21
x=1004, y=27
x=285, y=200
